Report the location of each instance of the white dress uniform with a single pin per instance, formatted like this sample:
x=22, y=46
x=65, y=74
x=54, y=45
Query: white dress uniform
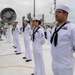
x=39, y=40
x=62, y=54
x=16, y=32
x=48, y=30
x=27, y=35
x=6, y=32
x=14, y=40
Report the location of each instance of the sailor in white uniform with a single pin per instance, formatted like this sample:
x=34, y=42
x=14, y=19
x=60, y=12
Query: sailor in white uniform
x=6, y=32
x=38, y=41
x=13, y=27
x=63, y=43
x=27, y=32
x=16, y=32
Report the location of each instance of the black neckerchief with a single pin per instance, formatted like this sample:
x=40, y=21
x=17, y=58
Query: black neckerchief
x=34, y=31
x=24, y=27
x=13, y=29
x=55, y=34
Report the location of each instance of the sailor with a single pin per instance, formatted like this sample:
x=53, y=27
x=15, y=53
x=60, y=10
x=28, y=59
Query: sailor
x=6, y=31
x=63, y=42
x=12, y=30
x=27, y=35
x=38, y=41
x=16, y=31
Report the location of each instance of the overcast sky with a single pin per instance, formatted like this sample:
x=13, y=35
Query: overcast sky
x=23, y=7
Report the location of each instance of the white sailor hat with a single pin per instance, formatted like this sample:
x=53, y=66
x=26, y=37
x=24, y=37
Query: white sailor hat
x=16, y=21
x=35, y=18
x=63, y=7
x=6, y=23
x=26, y=19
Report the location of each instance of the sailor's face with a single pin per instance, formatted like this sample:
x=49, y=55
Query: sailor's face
x=34, y=23
x=15, y=23
x=25, y=22
x=59, y=15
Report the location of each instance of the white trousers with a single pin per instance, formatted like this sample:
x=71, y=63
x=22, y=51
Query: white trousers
x=39, y=64
x=64, y=71
x=16, y=41
x=27, y=49
x=48, y=40
x=6, y=35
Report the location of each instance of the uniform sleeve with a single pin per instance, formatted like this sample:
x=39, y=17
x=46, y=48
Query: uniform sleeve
x=18, y=29
x=50, y=30
x=42, y=36
x=73, y=38
x=29, y=29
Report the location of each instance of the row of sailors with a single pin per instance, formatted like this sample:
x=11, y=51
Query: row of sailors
x=62, y=43
x=38, y=39
x=27, y=33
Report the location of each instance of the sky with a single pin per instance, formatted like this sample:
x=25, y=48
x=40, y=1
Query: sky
x=23, y=7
